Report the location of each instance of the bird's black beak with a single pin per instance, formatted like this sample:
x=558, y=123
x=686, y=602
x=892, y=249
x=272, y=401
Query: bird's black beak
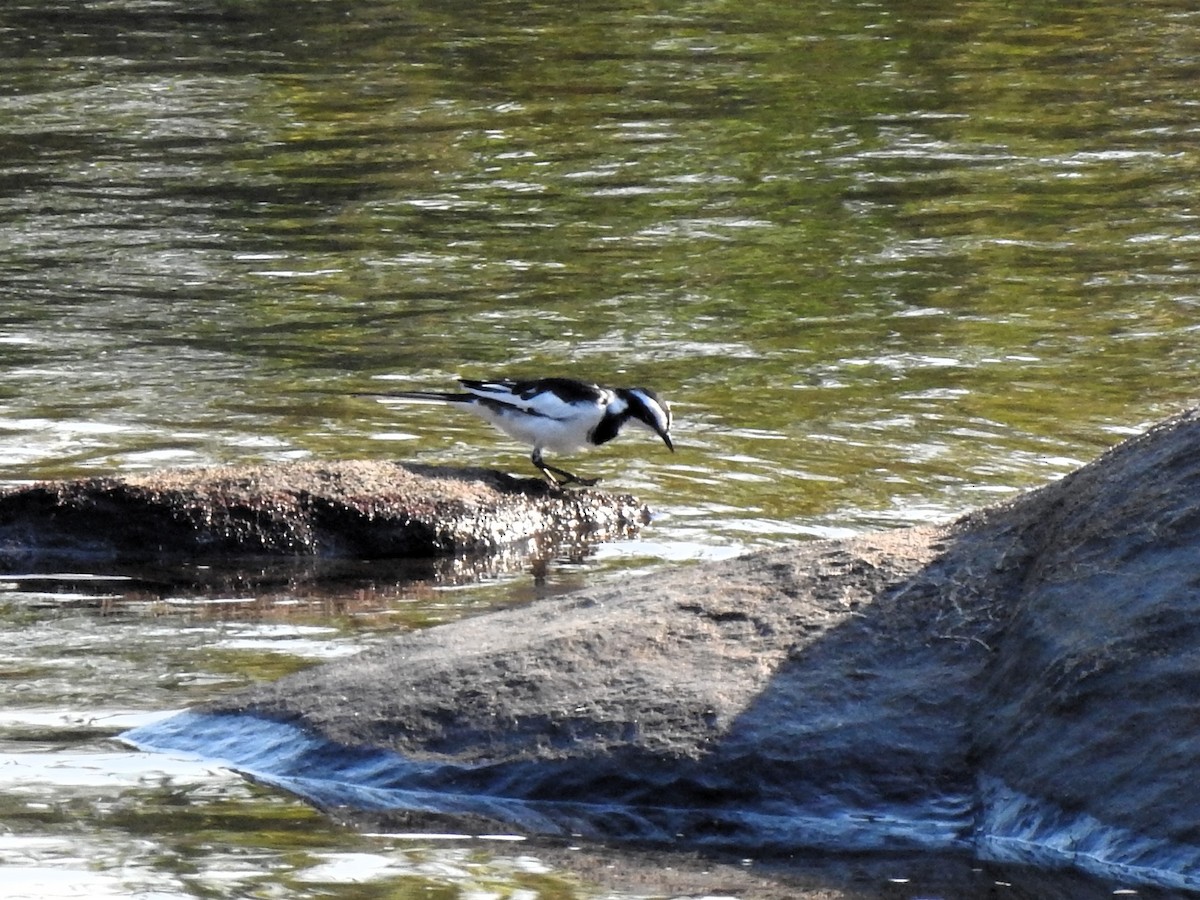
x=667, y=440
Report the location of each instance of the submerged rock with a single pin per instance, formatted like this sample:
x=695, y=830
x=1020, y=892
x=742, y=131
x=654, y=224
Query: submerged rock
x=370, y=510
x=1021, y=685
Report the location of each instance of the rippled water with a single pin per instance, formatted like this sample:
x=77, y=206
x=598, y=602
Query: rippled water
x=888, y=264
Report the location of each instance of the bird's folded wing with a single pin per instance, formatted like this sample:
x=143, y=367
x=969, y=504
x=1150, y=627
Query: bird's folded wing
x=543, y=402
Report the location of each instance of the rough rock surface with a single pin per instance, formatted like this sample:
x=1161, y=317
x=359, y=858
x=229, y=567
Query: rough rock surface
x=333, y=509
x=1024, y=684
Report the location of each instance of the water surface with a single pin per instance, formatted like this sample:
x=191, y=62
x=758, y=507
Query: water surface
x=888, y=264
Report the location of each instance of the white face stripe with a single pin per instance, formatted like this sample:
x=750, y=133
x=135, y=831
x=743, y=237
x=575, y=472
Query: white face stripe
x=660, y=411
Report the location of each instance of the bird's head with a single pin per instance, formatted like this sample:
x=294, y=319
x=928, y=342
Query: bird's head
x=647, y=408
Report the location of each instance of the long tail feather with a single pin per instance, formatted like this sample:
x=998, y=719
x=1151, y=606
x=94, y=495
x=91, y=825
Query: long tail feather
x=422, y=396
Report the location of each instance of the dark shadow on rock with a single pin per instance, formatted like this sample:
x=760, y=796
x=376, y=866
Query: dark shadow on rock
x=1020, y=685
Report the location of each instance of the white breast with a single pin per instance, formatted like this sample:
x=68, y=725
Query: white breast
x=564, y=432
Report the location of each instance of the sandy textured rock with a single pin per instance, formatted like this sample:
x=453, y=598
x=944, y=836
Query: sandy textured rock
x=1023, y=684
x=329, y=509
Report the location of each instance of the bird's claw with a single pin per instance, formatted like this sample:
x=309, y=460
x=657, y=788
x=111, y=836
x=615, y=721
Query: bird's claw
x=567, y=478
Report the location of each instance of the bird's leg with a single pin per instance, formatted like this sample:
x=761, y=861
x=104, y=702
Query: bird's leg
x=550, y=471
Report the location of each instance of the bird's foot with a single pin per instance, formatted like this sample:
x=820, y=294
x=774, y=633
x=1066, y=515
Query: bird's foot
x=580, y=480
x=560, y=478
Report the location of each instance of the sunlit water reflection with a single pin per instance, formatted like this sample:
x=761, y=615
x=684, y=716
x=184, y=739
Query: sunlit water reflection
x=889, y=264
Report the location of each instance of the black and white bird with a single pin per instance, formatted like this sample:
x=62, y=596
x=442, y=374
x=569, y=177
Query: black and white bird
x=558, y=414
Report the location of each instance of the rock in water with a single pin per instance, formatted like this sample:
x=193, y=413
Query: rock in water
x=366, y=510
x=1021, y=684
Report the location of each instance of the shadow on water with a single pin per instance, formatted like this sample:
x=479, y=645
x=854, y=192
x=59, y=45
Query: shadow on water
x=274, y=575
x=73, y=580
